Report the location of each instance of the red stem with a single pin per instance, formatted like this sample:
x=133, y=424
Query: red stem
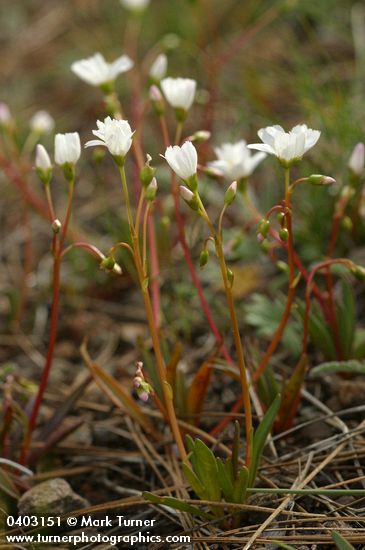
x=45, y=374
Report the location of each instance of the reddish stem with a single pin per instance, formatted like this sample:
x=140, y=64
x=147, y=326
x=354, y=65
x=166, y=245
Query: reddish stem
x=49, y=359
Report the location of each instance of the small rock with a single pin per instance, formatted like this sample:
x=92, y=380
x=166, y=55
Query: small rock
x=52, y=497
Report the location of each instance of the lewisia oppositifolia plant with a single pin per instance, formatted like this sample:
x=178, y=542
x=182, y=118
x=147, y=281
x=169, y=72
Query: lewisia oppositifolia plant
x=211, y=477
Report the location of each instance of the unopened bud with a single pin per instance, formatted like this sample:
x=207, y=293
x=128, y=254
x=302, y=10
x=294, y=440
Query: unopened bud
x=230, y=276
x=147, y=172
x=319, y=179
x=213, y=172
x=230, y=194
x=200, y=136
x=359, y=272
x=56, y=226
x=151, y=190
x=43, y=164
x=189, y=197
x=157, y=99
x=203, y=258
x=6, y=120
x=108, y=263
x=264, y=227
x=284, y=234
x=357, y=159
x=283, y=266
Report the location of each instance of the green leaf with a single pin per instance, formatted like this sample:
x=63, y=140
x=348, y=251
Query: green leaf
x=260, y=436
x=240, y=486
x=359, y=344
x=330, y=367
x=225, y=479
x=340, y=542
x=346, y=317
x=291, y=395
x=194, y=482
x=206, y=469
x=175, y=503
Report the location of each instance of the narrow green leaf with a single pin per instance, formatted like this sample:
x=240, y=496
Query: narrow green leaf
x=206, y=469
x=346, y=320
x=236, y=448
x=291, y=395
x=194, y=482
x=240, y=486
x=340, y=542
x=330, y=367
x=225, y=479
x=260, y=436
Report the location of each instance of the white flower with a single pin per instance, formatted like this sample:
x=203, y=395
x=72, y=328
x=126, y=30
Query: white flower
x=159, y=67
x=287, y=146
x=96, y=71
x=179, y=92
x=136, y=5
x=235, y=160
x=5, y=115
x=67, y=148
x=357, y=159
x=42, y=160
x=182, y=160
x=114, y=134
x=42, y=123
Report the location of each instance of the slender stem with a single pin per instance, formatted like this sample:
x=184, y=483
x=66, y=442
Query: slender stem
x=164, y=130
x=160, y=364
x=291, y=288
x=144, y=237
x=93, y=250
x=57, y=249
x=52, y=216
x=220, y=221
x=49, y=359
x=139, y=210
x=68, y=213
x=127, y=200
x=179, y=129
x=193, y=274
x=239, y=350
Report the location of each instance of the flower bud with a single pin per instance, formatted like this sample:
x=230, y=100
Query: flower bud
x=158, y=68
x=283, y=266
x=284, y=234
x=359, y=272
x=157, y=100
x=42, y=123
x=203, y=258
x=108, y=263
x=200, y=136
x=151, y=190
x=230, y=276
x=230, y=194
x=43, y=164
x=6, y=119
x=319, y=179
x=147, y=172
x=264, y=227
x=56, y=226
x=189, y=197
x=357, y=159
